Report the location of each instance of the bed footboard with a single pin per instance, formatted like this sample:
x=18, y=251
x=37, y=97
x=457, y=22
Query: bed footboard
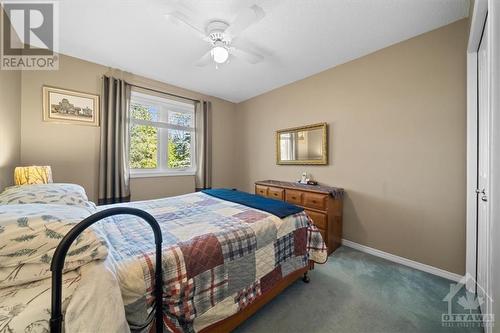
x=57, y=263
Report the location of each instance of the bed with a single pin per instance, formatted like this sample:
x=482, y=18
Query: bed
x=221, y=261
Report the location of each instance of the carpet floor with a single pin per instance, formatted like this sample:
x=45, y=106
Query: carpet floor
x=355, y=292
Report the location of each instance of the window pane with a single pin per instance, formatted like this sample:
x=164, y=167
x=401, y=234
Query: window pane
x=143, y=112
x=180, y=118
x=143, y=147
x=179, y=149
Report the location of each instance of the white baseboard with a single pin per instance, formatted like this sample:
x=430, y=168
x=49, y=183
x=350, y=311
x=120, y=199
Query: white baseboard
x=403, y=261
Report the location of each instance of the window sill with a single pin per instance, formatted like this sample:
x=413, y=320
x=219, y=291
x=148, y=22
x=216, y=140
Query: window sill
x=160, y=174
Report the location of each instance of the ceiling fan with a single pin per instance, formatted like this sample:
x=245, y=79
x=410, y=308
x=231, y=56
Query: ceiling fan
x=220, y=35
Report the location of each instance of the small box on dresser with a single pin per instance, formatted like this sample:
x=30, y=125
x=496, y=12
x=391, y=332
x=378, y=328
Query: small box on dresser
x=323, y=204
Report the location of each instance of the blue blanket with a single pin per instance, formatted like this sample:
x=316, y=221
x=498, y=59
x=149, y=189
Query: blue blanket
x=276, y=207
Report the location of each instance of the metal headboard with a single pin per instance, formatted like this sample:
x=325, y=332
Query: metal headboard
x=57, y=263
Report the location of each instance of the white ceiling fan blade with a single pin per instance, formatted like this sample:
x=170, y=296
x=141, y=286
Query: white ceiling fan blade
x=249, y=56
x=245, y=18
x=178, y=17
x=204, y=60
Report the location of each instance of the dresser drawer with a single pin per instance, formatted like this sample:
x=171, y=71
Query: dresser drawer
x=313, y=200
x=320, y=220
x=275, y=193
x=293, y=197
x=261, y=190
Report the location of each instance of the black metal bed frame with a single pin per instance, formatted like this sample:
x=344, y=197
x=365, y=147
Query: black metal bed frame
x=57, y=263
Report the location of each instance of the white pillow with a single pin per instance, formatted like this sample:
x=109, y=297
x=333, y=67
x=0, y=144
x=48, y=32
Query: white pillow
x=29, y=235
x=54, y=193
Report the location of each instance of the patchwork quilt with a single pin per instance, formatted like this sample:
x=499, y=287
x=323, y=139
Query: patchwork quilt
x=218, y=257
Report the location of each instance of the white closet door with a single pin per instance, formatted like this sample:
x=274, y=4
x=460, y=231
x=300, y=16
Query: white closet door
x=483, y=229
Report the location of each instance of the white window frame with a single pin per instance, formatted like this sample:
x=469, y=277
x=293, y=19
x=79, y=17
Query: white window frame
x=164, y=106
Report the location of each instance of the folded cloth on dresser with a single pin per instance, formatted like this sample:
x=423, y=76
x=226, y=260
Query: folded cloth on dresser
x=218, y=257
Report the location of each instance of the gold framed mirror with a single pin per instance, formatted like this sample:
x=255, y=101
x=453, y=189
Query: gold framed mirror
x=303, y=145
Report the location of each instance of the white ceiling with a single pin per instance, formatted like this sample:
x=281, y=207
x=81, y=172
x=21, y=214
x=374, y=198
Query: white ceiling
x=298, y=37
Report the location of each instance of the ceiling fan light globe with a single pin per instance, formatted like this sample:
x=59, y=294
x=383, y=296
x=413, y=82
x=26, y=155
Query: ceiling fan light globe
x=220, y=54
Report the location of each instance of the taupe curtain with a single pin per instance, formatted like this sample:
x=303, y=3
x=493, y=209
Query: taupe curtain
x=203, y=116
x=114, y=173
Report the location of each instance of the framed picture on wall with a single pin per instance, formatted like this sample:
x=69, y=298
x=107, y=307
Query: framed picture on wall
x=70, y=107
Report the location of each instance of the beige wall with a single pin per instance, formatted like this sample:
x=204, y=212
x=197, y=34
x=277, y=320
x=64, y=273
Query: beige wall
x=10, y=125
x=73, y=150
x=397, y=121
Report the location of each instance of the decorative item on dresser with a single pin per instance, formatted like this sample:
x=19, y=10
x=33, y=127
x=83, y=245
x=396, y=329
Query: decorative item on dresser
x=322, y=203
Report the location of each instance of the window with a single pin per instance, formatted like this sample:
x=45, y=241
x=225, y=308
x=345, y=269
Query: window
x=162, y=136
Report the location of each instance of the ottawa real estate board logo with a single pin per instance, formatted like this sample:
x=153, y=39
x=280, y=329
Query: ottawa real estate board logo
x=29, y=35
x=467, y=309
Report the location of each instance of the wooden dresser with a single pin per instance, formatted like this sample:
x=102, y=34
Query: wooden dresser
x=322, y=203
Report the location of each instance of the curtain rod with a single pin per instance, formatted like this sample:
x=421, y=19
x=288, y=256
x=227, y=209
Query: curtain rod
x=162, y=92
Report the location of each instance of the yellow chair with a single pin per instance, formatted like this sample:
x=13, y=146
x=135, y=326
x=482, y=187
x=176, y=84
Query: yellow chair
x=32, y=175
